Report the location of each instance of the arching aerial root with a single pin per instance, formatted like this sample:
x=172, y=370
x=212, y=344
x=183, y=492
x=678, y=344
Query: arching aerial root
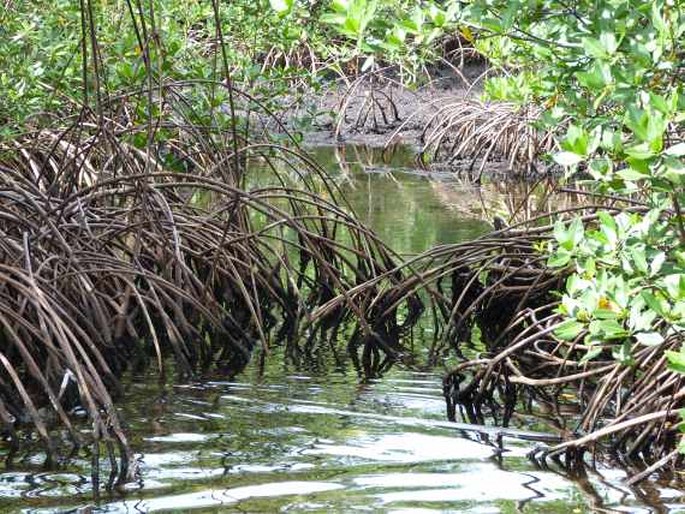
x=629, y=411
x=625, y=408
x=368, y=104
x=112, y=258
x=468, y=129
x=516, y=364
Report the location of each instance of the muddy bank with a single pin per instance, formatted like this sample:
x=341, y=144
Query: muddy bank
x=378, y=110
x=449, y=130
x=442, y=121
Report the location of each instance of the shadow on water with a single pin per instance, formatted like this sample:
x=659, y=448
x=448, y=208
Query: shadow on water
x=313, y=438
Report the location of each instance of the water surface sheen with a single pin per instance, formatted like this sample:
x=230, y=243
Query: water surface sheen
x=300, y=443
x=408, y=210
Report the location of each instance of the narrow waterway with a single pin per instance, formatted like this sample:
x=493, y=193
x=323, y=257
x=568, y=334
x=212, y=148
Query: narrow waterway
x=318, y=438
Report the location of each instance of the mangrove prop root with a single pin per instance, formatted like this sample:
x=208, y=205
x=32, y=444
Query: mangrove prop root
x=501, y=284
x=628, y=408
x=114, y=257
x=467, y=129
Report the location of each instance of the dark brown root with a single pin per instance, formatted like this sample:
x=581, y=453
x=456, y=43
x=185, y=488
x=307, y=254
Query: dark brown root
x=116, y=257
x=368, y=105
x=483, y=133
x=627, y=410
x=501, y=284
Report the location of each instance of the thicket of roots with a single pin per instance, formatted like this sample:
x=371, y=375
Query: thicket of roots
x=515, y=365
x=124, y=246
x=368, y=105
x=628, y=409
x=113, y=258
x=132, y=236
x=482, y=133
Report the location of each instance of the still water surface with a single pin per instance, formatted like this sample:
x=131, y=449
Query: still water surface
x=282, y=439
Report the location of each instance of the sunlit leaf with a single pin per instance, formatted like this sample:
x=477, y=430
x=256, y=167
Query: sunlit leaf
x=676, y=361
x=567, y=158
x=649, y=338
x=569, y=330
x=281, y=6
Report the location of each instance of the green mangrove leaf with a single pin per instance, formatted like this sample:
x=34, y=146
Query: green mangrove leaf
x=281, y=6
x=576, y=231
x=676, y=361
x=640, y=320
x=569, y=329
x=677, y=150
x=649, y=338
x=640, y=151
x=675, y=286
x=657, y=262
x=608, y=329
x=622, y=353
x=559, y=259
x=567, y=158
x=653, y=302
x=595, y=48
x=591, y=354
x=605, y=314
x=639, y=259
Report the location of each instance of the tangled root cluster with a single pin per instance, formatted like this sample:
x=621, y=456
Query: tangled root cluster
x=501, y=284
x=112, y=258
x=627, y=409
x=469, y=130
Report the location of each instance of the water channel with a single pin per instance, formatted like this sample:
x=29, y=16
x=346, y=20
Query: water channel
x=319, y=439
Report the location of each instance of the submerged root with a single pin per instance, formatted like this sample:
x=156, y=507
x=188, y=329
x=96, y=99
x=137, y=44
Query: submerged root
x=502, y=285
x=116, y=255
x=626, y=408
